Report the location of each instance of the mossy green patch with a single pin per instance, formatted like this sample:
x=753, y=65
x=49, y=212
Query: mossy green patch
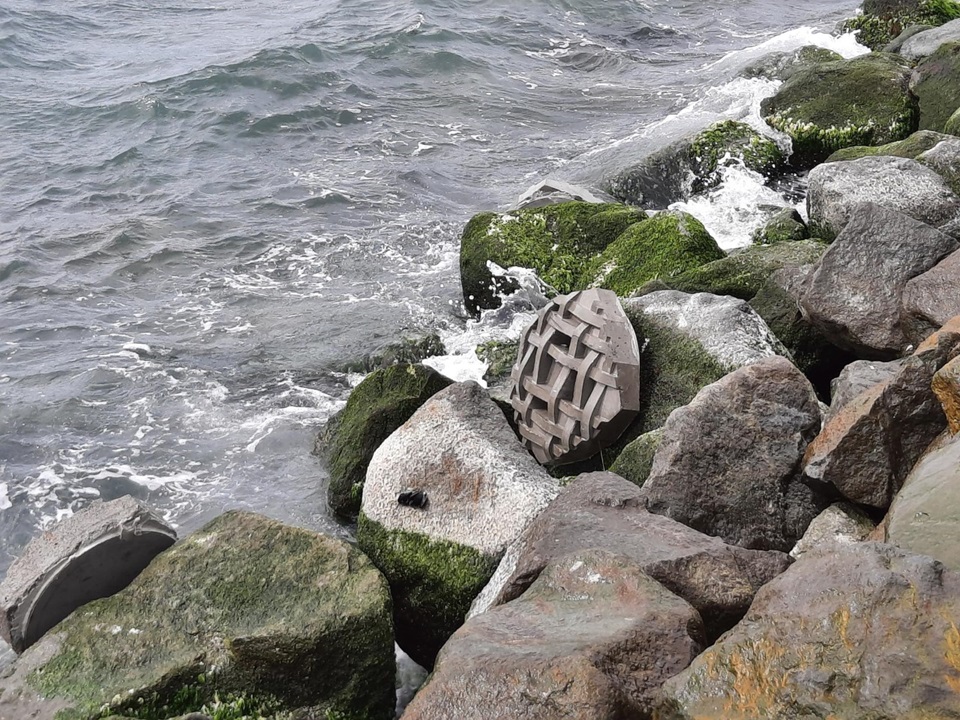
x=743, y=273
x=433, y=583
x=876, y=29
x=937, y=86
x=558, y=241
x=952, y=126
x=734, y=140
x=500, y=356
x=377, y=406
x=785, y=226
x=862, y=101
x=636, y=460
x=919, y=142
x=664, y=246
x=247, y=612
x=408, y=350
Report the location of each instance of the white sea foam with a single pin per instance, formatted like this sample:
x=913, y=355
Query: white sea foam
x=4, y=497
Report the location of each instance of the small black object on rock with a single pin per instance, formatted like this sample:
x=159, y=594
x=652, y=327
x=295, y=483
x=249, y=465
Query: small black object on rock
x=413, y=498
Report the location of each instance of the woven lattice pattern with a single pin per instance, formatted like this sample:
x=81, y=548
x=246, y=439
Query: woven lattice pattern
x=576, y=383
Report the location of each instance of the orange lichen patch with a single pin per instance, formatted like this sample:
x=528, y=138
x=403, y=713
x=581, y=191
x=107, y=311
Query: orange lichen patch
x=950, y=328
x=946, y=386
x=842, y=620
x=758, y=677
x=952, y=657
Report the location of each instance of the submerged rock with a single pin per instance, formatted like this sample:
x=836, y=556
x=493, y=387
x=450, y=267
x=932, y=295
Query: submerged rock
x=862, y=101
x=481, y=490
x=593, y=637
x=602, y=510
x=729, y=461
x=248, y=610
x=784, y=65
x=90, y=555
x=381, y=403
x=859, y=631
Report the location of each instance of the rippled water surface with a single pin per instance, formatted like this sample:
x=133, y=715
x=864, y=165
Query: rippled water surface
x=206, y=208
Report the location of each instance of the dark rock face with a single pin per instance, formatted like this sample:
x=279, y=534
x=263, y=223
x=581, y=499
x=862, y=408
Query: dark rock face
x=867, y=448
x=854, y=293
x=593, y=637
x=377, y=406
x=934, y=82
x=930, y=299
x=91, y=555
x=836, y=636
x=837, y=189
x=602, y=510
x=729, y=462
x=284, y=617
x=925, y=516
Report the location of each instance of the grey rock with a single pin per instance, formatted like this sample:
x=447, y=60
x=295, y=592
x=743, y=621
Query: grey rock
x=603, y=510
x=859, y=631
x=483, y=489
x=926, y=43
x=867, y=448
x=729, y=462
x=839, y=524
x=593, y=637
x=944, y=159
x=551, y=192
x=90, y=555
x=837, y=188
x=908, y=32
x=857, y=377
x=930, y=299
x=854, y=294
x=728, y=328
x=925, y=516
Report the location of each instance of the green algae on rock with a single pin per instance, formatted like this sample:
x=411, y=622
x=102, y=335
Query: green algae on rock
x=433, y=581
x=862, y=101
x=664, y=246
x=883, y=20
x=558, y=241
x=500, y=356
x=730, y=140
x=636, y=459
x=245, y=611
x=919, y=142
x=785, y=226
x=936, y=83
x=783, y=65
x=377, y=406
x=952, y=126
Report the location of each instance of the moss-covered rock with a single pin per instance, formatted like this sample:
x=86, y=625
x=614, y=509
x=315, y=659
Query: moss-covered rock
x=816, y=358
x=635, y=461
x=662, y=247
x=919, y=142
x=783, y=65
x=558, y=241
x=742, y=274
x=377, y=406
x=862, y=101
x=785, y=226
x=500, y=356
x=407, y=350
x=881, y=22
x=936, y=83
x=246, y=614
x=433, y=581
x=729, y=141
x=952, y=126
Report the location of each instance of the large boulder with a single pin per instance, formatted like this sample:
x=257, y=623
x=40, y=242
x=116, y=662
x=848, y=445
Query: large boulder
x=603, y=510
x=854, y=293
x=881, y=21
x=664, y=246
x=930, y=299
x=247, y=609
x=727, y=328
x=558, y=241
x=742, y=273
x=837, y=189
x=927, y=42
x=925, y=516
x=593, y=637
x=692, y=164
x=92, y=554
x=936, y=85
x=862, y=101
x=860, y=631
x=444, y=496
x=867, y=448
x=381, y=403
x=729, y=462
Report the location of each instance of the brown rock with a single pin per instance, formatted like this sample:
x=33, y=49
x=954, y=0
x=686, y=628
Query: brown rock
x=729, y=462
x=593, y=637
x=932, y=298
x=863, y=632
x=869, y=446
x=946, y=386
x=602, y=510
